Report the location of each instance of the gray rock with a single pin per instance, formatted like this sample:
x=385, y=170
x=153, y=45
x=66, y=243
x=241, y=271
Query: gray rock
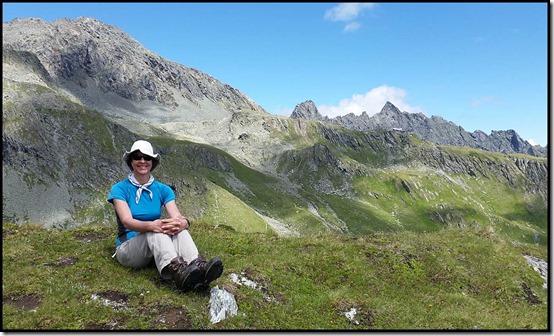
x=222, y=304
x=540, y=266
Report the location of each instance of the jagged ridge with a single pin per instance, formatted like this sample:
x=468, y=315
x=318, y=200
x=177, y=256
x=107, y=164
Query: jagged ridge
x=435, y=129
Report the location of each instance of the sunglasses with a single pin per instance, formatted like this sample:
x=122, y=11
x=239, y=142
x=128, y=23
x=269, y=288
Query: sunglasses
x=137, y=157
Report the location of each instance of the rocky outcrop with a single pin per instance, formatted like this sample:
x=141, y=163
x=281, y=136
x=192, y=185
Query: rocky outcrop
x=529, y=174
x=108, y=70
x=434, y=129
x=307, y=110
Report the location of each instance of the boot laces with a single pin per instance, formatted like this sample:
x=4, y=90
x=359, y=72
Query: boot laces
x=178, y=264
x=201, y=262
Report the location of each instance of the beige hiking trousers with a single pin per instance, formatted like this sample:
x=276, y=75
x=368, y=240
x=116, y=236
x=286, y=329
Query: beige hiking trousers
x=138, y=251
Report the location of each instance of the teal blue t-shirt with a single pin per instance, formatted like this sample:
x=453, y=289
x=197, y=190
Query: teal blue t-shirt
x=147, y=209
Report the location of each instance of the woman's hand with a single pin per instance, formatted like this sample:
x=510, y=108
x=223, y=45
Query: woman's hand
x=176, y=222
x=157, y=226
x=172, y=226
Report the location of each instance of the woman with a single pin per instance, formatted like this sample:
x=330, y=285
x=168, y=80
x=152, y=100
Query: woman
x=143, y=235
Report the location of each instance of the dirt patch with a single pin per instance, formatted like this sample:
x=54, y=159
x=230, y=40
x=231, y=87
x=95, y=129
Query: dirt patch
x=356, y=313
x=168, y=317
x=23, y=301
x=114, y=296
x=365, y=318
x=119, y=323
x=530, y=296
x=98, y=326
x=62, y=262
x=110, y=298
x=90, y=237
x=160, y=316
x=8, y=232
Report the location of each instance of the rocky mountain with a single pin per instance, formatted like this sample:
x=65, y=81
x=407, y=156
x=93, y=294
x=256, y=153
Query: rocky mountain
x=109, y=71
x=434, y=129
x=77, y=93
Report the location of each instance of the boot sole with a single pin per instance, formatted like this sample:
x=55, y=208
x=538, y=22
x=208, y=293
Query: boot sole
x=195, y=277
x=214, y=269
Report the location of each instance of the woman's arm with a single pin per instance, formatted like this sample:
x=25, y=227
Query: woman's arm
x=124, y=214
x=176, y=222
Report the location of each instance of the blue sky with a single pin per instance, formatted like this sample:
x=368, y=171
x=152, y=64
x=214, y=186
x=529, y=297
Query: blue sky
x=480, y=65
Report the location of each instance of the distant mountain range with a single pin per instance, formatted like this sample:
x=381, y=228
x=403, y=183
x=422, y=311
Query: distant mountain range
x=434, y=129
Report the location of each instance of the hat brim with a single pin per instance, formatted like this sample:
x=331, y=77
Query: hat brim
x=155, y=159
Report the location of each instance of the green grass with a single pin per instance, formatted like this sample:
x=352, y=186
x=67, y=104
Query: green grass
x=228, y=210
x=459, y=279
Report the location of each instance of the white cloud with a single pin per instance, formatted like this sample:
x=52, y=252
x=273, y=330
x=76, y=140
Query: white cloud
x=532, y=142
x=347, y=11
x=352, y=26
x=372, y=102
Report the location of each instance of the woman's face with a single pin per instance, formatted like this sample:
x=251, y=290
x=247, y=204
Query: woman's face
x=142, y=164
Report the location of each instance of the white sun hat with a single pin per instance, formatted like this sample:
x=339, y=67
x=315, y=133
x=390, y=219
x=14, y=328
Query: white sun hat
x=145, y=148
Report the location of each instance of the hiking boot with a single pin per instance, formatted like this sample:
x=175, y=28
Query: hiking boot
x=186, y=276
x=211, y=270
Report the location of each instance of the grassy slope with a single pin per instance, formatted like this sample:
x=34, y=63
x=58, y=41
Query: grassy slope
x=410, y=276
x=450, y=279
x=388, y=190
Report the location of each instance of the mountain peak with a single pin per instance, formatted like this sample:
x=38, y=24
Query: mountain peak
x=90, y=59
x=306, y=110
x=389, y=108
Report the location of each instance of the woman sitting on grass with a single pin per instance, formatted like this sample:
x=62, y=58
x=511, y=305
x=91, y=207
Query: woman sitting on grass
x=143, y=235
